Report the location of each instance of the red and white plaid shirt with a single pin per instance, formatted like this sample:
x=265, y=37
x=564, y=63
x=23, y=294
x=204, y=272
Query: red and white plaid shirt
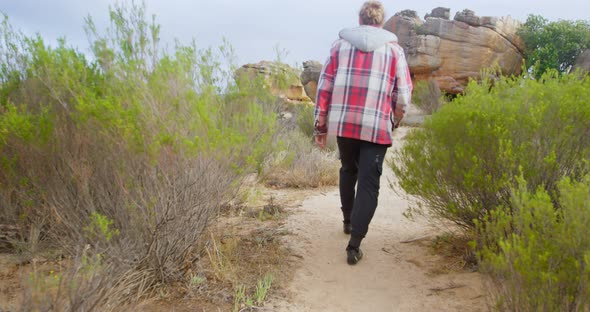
x=357, y=89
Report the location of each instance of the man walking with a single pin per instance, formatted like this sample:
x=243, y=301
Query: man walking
x=364, y=86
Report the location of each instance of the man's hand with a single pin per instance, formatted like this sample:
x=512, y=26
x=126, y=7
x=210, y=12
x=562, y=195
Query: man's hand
x=398, y=115
x=321, y=140
x=321, y=132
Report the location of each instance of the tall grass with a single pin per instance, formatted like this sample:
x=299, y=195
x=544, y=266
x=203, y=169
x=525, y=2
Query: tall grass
x=300, y=164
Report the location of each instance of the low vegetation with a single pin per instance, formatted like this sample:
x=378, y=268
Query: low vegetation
x=507, y=162
x=118, y=163
x=427, y=96
x=299, y=164
x=537, y=252
x=462, y=164
x=296, y=161
x=113, y=167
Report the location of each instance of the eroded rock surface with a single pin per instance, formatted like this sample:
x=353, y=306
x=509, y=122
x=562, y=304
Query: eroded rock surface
x=282, y=79
x=453, y=51
x=310, y=76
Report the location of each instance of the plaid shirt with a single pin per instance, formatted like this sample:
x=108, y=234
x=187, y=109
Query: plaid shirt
x=357, y=90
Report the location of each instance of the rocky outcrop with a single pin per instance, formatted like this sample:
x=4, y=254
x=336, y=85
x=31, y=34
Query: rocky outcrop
x=282, y=79
x=583, y=61
x=310, y=77
x=444, y=13
x=453, y=51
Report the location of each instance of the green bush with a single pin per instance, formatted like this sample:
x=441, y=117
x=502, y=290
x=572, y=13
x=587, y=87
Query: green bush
x=153, y=142
x=305, y=119
x=537, y=251
x=462, y=163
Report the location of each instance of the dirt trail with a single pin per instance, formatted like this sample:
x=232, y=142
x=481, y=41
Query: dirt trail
x=392, y=276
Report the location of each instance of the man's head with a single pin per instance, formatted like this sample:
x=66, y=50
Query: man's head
x=372, y=13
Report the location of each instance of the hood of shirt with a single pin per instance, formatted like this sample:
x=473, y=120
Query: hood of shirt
x=367, y=38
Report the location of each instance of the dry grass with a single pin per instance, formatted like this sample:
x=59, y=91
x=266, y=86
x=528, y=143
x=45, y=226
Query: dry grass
x=300, y=164
x=239, y=252
x=129, y=222
x=427, y=96
x=455, y=253
x=81, y=286
x=449, y=253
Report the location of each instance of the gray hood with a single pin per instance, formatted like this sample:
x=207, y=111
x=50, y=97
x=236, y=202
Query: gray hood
x=367, y=38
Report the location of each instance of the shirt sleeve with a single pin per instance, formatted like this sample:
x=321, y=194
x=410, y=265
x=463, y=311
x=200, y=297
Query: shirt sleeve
x=403, y=82
x=326, y=83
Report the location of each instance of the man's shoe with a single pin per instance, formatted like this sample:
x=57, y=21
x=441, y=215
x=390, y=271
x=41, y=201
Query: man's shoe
x=353, y=255
x=347, y=228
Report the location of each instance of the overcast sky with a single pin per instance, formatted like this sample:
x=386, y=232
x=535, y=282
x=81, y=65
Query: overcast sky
x=304, y=29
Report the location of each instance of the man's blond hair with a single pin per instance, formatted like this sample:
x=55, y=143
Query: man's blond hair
x=372, y=13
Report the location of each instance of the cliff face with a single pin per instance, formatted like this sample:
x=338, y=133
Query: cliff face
x=452, y=51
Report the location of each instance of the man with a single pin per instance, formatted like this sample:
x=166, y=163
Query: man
x=363, y=83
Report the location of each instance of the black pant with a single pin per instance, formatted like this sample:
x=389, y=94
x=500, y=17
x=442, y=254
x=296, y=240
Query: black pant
x=362, y=162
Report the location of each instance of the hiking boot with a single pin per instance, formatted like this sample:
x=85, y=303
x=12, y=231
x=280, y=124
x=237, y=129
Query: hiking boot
x=353, y=255
x=347, y=228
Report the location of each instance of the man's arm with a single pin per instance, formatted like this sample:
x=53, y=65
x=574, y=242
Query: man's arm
x=324, y=96
x=403, y=85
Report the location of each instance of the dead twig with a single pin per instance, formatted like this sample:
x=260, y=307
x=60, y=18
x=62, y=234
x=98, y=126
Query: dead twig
x=386, y=250
x=415, y=239
x=448, y=287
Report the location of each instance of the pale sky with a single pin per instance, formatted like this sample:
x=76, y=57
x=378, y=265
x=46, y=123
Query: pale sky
x=304, y=29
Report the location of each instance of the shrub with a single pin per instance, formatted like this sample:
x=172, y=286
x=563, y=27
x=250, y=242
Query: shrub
x=427, y=96
x=131, y=154
x=537, y=252
x=81, y=287
x=306, y=119
x=463, y=162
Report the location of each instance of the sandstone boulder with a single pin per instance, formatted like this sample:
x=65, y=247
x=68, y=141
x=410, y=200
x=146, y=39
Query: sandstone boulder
x=583, y=61
x=440, y=12
x=453, y=51
x=282, y=79
x=310, y=77
x=296, y=92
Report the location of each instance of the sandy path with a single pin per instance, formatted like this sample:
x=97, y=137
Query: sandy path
x=391, y=277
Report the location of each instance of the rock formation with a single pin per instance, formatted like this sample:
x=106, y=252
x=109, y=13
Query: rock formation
x=583, y=61
x=444, y=13
x=282, y=79
x=310, y=76
x=453, y=51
